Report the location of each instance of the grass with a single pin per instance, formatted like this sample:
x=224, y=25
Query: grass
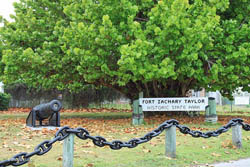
x=124, y=106
x=15, y=138
x=235, y=109
x=116, y=115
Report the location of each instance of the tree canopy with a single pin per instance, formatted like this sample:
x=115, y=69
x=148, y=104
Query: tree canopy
x=161, y=47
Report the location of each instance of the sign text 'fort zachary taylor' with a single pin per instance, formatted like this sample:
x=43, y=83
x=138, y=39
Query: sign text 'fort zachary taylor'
x=174, y=104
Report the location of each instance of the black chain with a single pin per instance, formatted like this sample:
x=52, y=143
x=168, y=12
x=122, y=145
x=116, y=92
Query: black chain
x=45, y=146
x=40, y=149
x=223, y=129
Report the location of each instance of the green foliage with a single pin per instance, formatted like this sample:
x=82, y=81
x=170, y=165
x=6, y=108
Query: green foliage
x=1, y=63
x=4, y=101
x=163, y=48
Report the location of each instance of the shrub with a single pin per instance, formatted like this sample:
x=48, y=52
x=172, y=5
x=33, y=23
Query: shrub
x=4, y=101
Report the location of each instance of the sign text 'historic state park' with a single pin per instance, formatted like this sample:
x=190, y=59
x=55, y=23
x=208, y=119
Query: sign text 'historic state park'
x=174, y=104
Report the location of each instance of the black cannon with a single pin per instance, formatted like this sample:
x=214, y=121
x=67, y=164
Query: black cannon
x=45, y=111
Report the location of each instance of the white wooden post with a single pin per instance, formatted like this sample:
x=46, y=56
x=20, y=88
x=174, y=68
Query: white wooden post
x=68, y=151
x=237, y=136
x=170, y=142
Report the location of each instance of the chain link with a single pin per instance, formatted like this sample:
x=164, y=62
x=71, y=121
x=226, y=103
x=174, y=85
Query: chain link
x=64, y=132
x=43, y=147
x=21, y=159
x=8, y=162
x=82, y=134
x=246, y=127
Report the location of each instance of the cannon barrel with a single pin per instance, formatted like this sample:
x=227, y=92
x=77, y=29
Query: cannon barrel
x=44, y=111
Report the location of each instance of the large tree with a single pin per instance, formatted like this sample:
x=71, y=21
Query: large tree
x=161, y=47
x=32, y=51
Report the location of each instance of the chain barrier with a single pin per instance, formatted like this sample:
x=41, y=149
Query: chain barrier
x=64, y=132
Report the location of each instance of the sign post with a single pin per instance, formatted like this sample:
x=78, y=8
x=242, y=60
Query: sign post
x=237, y=136
x=138, y=116
x=211, y=115
x=68, y=151
x=170, y=142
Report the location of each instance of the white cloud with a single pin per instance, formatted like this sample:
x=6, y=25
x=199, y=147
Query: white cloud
x=6, y=8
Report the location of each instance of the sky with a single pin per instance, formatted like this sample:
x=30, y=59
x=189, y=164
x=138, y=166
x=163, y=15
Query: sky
x=6, y=8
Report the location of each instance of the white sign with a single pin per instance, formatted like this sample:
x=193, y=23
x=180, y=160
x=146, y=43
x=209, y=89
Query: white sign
x=241, y=100
x=173, y=104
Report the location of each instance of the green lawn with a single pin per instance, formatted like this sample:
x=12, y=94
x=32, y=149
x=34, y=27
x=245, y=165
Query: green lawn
x=15, y=138
x=232, y=109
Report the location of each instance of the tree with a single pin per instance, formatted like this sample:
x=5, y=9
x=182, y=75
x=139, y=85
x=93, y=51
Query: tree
x=163, y=48
x=32, y=53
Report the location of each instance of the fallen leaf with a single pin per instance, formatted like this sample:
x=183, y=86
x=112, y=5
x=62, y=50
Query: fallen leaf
x=215, y=154
x=146, y=150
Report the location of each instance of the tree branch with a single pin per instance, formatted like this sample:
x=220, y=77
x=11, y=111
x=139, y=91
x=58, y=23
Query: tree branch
x=147, y=90
x=155, y=88
x=140, y=19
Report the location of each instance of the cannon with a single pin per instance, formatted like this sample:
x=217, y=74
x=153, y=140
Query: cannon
x=45, y=111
